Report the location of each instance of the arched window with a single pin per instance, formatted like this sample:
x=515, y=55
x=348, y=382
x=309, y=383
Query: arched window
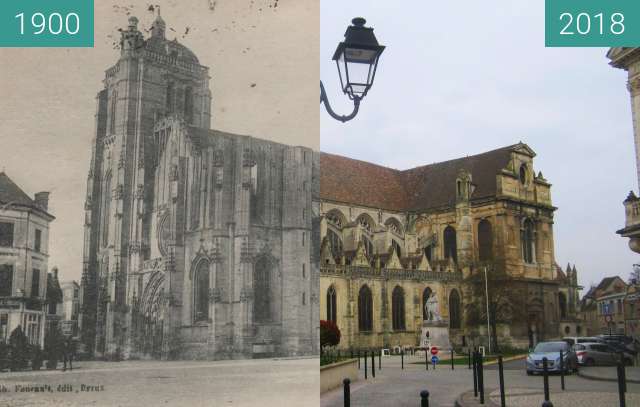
x=454, y=310
x=562, y=304
x=335, y=242
x=331, y=305
x=366, y=222
x=335, y=218
x=523, y=174
x=450, y=245
x=396, y=247
x=188, y=105
x=368, y=246
x=106, y=208
x=262, y=291
x=114, y=108
x=365, y=309
x=394, y=226
x=527, y=235
x=201, y=292
x=425, y=298
x=397, y=308
x=485, y=240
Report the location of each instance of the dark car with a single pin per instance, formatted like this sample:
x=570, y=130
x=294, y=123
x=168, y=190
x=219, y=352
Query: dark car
x=551, y=351
x=599, y=354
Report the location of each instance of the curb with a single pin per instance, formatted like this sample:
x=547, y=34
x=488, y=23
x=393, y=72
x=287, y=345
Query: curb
x=476, y=402
x=509, y=359
x=582, y=374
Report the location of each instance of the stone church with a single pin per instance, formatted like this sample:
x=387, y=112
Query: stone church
x=199, y=244
x=401, y=246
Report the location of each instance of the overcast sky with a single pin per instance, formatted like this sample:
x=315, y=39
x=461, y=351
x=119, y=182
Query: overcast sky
x=463, y=77
x=263, y=60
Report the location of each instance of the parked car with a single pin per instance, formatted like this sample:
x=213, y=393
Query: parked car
x=599, y=354
x=572, y=340
x=551, y=351
x=621, y=343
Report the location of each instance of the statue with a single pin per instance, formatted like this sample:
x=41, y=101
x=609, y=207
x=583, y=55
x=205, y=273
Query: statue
x=433, y=310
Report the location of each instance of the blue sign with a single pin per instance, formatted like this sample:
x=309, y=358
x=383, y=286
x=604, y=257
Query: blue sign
x=435, y=359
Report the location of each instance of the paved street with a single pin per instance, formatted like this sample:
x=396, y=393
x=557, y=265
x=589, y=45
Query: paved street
x=293, y=382
x=395, y=387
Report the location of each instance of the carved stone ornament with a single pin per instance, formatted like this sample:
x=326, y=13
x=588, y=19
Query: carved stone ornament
x=247, y=158
x=246, y=294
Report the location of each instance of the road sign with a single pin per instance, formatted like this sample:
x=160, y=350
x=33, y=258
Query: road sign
x=435, y=359
x=434, y=350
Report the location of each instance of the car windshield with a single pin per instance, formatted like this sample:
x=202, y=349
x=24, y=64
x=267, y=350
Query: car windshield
x=550, y=347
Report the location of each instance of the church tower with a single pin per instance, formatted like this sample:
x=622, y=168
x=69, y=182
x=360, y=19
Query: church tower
x=154, y=78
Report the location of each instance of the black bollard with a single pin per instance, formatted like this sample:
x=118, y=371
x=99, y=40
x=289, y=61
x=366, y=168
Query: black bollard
x=503, y=402
x=481, y=378
x=451, y=358
x=380, y=359
x=402, y=358
x=621, y=385
x=547, y=403
x=347, y=392
x=426, y=358
x=424, y=398
x=358, y=359
x=365, y=365
x=373, y=364
x=545, y=377
x=624, y=372
x=475, y=374
x=561, y=369
x=469, y=359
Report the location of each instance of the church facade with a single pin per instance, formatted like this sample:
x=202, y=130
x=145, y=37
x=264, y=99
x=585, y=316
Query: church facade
x=406, y=251
x=199, y=244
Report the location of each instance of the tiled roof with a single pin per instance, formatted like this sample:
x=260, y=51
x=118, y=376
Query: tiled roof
x=431, y=186
x=11, y=193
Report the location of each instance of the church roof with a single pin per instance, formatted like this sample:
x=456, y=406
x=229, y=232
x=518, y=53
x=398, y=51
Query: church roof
x=431, y=186
x=10, y=192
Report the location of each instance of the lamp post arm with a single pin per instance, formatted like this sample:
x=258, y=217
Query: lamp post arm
x=327, y=105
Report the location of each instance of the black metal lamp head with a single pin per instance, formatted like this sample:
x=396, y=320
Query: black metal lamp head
x=357, y=59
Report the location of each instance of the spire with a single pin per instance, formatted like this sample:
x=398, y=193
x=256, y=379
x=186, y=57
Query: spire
x=159, y=26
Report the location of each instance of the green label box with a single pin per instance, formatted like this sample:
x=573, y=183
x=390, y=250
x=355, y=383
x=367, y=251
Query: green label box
x=46, y=23
x=592, y=23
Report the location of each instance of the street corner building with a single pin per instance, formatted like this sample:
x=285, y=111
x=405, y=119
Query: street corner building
x=24, y=256
x=404, y=253
x=199, y=244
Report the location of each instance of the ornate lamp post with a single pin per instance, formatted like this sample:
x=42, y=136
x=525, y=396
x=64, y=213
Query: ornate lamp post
x=357, y=60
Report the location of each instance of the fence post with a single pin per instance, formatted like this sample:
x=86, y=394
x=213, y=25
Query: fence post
x=545, y=374
x=475, y=374
x=424, y=398
x=347, y=392
x=402, y=357
x=503, y=402
x=379, y=359
x=469, y=359
x=426, y=358
x=365, y=365
x=373, y=364
x=621, y=385
x=561, y=370
x=358, y=358
x=481, y=378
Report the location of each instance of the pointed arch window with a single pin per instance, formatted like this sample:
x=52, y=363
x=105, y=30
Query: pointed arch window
x=454, y=310
x=485, y=240
x=201, y=292
x=262, y=291
x=397, y=308
x=365, y=309
x=112, y=118
x=396, y=248
x=332, y=313
x=335, y=242
x=450, y=245
x=562, y=304
x=368, y=246
x=528, y=241
x=425, y=298
x=106, y=209
x=188, y=104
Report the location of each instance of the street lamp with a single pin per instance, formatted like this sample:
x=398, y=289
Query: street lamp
x=357, y=60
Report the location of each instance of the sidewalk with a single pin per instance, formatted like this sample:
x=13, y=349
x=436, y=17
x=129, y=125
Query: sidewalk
x=521, y=397
x=609, y=373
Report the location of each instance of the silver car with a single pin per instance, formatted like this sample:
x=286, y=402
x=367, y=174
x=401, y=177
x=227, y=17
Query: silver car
x=597, y=354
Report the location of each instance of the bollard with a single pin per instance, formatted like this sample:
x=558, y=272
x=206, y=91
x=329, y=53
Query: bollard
x=358, y=359
x=475, y=374
x=373, y=364
x=379, y=359
x=503, y=402
x=481, y=378
x=424, y=398
x=426, y=359
x=365, y=365
x=545, y=374
x=347, y=392
x=469, y=359
x=451, y=358
x=402, y=358
x=624, y=372
x=621, y=385
x=547, y=403
x=561, y=370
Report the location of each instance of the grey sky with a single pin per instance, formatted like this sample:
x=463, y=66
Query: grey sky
x=264, y=78
x=464, y=77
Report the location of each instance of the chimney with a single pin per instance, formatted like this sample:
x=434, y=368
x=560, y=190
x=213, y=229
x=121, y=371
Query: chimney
x=42, y=200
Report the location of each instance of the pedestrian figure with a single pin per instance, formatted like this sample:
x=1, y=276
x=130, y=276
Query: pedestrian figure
x=69, y=353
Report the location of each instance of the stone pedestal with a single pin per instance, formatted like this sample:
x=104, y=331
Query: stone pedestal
x=438, y=335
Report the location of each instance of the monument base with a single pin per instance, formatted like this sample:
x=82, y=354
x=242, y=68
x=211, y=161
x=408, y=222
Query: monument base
x=435, y=334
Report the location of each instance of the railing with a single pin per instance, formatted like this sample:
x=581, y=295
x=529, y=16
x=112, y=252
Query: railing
x=402, y=274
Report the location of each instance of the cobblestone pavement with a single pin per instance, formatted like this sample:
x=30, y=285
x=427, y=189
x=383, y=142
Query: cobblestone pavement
x=264, y=382
x=396, y=387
